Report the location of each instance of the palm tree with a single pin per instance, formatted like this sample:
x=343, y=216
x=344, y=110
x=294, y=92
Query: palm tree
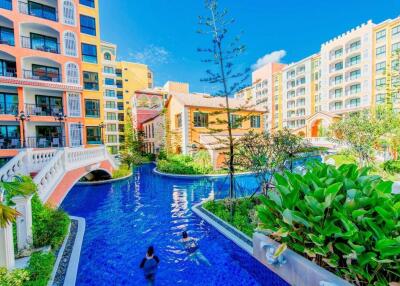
x=20, y=186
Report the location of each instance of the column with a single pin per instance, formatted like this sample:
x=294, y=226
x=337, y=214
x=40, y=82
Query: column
x=7, y=258
x=24, y=221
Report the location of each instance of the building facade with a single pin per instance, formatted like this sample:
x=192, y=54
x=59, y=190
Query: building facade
x=356, y=70
x=40, y=76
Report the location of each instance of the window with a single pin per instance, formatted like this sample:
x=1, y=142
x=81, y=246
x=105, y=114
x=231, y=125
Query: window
x=380, y=35
x=355, y=102
x=89, y=53
x=200, y=119
x=47, y=106
x=111, y=116
x=354, y=60
x=355, y=88
x=120, y=106
x=109, y=93
x=72, y=72
x=111, y=104
x=339, y=66
x=396, y=30
x=107, y=56
x=9, y=131
x=89, y=3
x=46, y=73
x=395, y=48
x=301, y=80
x=236, y=121
x=338, y=79
x=109, y=81
x=93, y=135
x=380, y=82
x=121, y=128
x=120, y=95
x=109, y=70
x=338, y=53
x=119, y=83
x=121, y=117
x=42, y=11
x=338, y=93
x=43, y=43
x=355, y=74
x=8, y=103
x=381, y=51
x=75, y=134
x=381, y=67
x=354, y=46
x=88, y=25
x=118, y=72
x=338, y=105
x=301, y=91
x=178, y=120
x=112, y=127
x=92, y=108
x=7, y=36
x=74, y=105
x=112, y=138
x=70, y=44
x=69, y=12
x=380, y=98
x=255, y=121
x=8, y=68
x=90, y=80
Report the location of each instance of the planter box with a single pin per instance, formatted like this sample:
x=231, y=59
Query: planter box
x=297, y=270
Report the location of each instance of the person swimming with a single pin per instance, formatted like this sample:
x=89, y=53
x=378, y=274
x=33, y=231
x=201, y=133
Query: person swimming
x=149, y=265
x=193, y=250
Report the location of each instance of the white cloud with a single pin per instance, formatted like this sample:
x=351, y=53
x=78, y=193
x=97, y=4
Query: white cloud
x=274, y=57
x=151, y=55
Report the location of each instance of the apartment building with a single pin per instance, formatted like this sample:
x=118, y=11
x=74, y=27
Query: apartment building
x=88, y=11
x=40, y=76
x=385, y=65
x=356, y=70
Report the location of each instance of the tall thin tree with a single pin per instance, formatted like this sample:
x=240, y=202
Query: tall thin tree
x=222, y=54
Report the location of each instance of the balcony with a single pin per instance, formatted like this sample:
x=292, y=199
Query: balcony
x=44, y=110
x=38, y=10
x=42, y=75
x=56, y=141
x=8, y=108
x=6, y=4
x=8, y=72
x=10, y=143
x=40, y=45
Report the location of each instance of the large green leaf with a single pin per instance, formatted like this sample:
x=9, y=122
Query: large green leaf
x=384, y=187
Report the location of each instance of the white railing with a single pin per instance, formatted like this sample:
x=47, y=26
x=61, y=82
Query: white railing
x=51, y=165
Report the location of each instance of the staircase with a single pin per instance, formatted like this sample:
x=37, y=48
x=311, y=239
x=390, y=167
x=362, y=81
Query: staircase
x=55, y=171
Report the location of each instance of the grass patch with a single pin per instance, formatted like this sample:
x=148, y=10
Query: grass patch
x=40, y=268
x=341, y=159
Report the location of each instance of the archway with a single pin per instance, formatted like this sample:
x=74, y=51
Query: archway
x=315, y=126
x=95, y=176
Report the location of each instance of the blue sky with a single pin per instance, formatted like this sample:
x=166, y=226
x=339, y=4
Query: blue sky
x=162, y=33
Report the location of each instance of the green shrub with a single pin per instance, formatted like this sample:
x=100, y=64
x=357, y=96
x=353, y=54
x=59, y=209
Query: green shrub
x=199, y=164
x=49, y=226
x=121, y=172
x=40, y=268
x=392, y=166
x=244, y=218
x=13, y=278
x=343, y=219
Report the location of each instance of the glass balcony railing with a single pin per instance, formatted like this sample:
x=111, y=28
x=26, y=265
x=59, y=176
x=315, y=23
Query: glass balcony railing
x=54, y=141
x=94, y=140
x=8, y=72
x=6, y=4
x=46, y=76
x=10, y=142
x=38, y=10
x=9, y=108
x=40, y=45
x=44, y=110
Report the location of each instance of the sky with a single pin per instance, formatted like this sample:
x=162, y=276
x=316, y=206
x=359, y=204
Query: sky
x=163, y=33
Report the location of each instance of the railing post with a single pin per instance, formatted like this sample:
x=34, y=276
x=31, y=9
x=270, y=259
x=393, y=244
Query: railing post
x=24, y=221
x=7, y=258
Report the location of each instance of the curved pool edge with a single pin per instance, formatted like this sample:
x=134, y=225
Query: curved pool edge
x=179, y=176
x=230, y=232
x=69, y=272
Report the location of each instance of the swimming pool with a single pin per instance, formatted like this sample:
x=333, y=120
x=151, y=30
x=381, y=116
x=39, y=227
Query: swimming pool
x=124, y=218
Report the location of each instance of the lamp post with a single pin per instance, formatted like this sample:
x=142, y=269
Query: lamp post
x=22, y=118
x=102, y=126
x=60, y=117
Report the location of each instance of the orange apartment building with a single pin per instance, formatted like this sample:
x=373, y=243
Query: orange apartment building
x=40, y=75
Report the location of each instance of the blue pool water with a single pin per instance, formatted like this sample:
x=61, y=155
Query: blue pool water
x=124, y=218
